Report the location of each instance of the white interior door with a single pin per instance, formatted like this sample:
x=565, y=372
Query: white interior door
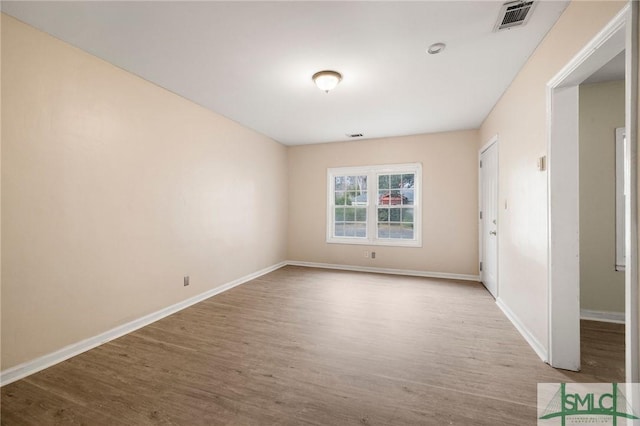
x=489, y=218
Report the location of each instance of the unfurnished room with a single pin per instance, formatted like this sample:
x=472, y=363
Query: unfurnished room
x=319, y=212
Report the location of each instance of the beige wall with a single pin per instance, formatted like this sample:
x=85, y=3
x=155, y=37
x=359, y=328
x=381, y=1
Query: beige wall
x=601, y=111
x=114, y=189
x=520, y=120
x=450, y=201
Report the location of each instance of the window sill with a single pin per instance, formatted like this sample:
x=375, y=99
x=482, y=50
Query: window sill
x=367, y=242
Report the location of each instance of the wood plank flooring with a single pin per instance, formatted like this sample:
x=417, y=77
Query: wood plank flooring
x=602, y=350
x=313, y=347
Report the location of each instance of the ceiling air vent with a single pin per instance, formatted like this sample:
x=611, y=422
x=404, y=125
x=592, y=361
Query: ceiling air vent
x=513, y=14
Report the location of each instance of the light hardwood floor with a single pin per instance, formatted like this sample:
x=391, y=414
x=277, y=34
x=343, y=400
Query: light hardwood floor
x=320, y=347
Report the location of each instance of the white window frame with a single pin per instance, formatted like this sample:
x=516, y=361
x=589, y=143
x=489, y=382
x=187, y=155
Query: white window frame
x=372, y=173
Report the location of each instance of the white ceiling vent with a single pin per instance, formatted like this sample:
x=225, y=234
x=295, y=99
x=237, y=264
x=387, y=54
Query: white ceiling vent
x=513, y=14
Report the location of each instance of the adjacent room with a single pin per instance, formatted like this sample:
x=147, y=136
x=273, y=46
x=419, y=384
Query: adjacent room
x=230, y=212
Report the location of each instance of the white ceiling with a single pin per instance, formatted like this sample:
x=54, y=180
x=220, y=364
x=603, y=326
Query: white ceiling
x=253, y=61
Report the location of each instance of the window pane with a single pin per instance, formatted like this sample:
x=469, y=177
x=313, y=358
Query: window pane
x=383, y=230
x=395, y=181
x=408, y=180
x=338, y=230
x=339, y=183
x=361, y=215
x=407, y=196
x=353, y=229
x=383, y=197
x=383, y=215
x=395, y=230
x=349, y=229
x=407, y=215
x=401, y=231
x=339, y=214
x=383, y=182
x=407, y=231
x=360, y=230
x=350, y=182
x=351, y=196
x=389, y=197
x=394, y=215
x=360, y=199
x=349, y=214
x=340, y=198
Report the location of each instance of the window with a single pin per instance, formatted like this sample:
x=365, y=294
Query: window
x=376, y=205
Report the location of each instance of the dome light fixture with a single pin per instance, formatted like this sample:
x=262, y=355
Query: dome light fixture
x=326, y=80
x=436, y=48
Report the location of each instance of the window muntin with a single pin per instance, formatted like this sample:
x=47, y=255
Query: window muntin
x=377, y=205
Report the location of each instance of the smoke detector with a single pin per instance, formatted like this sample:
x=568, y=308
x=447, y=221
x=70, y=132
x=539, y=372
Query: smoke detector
x=514, y=14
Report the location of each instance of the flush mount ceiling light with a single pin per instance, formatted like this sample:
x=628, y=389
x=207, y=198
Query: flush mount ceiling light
x=436, y=48
x=326, y=80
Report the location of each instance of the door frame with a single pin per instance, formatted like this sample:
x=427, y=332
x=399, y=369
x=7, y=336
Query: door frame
x=562, y=185
x=493, y=140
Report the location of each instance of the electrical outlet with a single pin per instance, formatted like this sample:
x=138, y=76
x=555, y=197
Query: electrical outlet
x=366, y=254
x=186, y=281
x=373, y=254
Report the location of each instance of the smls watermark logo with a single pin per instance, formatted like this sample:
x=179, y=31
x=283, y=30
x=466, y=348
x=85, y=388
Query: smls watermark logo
x=588, y=403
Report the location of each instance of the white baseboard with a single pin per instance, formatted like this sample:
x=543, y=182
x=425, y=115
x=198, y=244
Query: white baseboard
x=524, y=331
x=603, y=316
x=409, y=272
x=30, y=367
